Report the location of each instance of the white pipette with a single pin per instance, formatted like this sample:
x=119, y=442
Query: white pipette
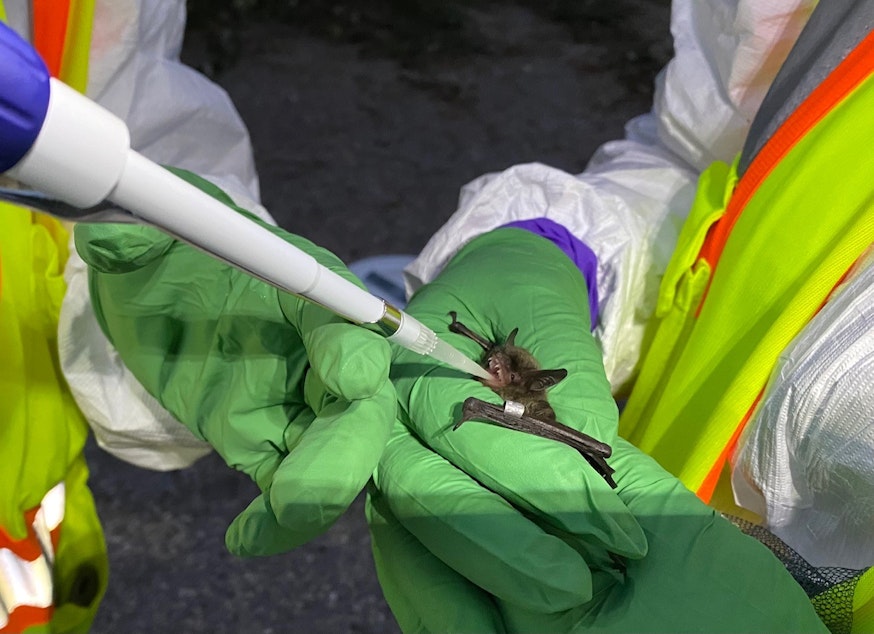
x=79, y=153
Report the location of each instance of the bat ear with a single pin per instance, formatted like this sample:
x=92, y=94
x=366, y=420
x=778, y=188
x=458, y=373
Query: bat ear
x=511, y=338
x=542, y=380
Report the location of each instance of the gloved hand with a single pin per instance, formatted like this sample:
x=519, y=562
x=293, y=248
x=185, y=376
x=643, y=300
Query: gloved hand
x=284, y=390
x=489, y=529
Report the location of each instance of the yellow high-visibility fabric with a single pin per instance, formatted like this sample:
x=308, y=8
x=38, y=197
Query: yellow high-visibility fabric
x=33, y=457
x=77, y=45
x=682, y=287
x=863, y=604
x=42, y=432
x=801, y=230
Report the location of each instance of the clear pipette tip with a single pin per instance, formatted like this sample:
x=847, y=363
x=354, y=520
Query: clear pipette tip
x=447, y=354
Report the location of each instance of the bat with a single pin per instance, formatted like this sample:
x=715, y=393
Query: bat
x=518, y=379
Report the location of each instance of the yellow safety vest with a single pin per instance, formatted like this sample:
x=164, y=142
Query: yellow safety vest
x=53, y=563
x=756, y=259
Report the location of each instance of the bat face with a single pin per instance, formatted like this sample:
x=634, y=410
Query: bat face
x=519, y=378
x=516, y=374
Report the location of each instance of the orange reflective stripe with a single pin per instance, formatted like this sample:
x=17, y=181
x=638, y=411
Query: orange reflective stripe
x=25, y=616
x=46, y=519
x=27, y=548
x=708, y=486
x=50, y=31
x=851, y=72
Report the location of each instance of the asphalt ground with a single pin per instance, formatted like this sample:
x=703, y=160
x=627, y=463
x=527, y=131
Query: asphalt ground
x=365, y=123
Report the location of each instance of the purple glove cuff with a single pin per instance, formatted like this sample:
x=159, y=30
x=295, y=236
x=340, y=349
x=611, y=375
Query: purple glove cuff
x=576, y=250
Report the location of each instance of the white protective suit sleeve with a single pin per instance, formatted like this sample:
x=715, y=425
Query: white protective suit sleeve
x=630, y=202
x=176, y=117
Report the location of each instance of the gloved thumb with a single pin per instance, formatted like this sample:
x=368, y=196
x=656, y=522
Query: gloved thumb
x=119, y=248
x=255, y=532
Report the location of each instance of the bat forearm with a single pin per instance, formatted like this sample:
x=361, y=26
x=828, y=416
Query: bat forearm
x=593, y=450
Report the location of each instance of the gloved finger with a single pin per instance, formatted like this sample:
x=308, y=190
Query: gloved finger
x=328, y=465
x=352, y=362
x=517, y=618
x=255, y=532
x=119, y=248
x=477, y=533
x=212, y=345
x=425, y=595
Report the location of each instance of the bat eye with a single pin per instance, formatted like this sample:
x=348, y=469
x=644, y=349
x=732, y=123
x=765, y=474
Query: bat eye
x=513, y=377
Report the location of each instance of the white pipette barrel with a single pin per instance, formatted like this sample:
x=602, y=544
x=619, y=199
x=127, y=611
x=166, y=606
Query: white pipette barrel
x=82, y=156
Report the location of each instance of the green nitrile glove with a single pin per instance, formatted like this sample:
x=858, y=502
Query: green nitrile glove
x=488, y=529
x=543, y=528
x=284, y=390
